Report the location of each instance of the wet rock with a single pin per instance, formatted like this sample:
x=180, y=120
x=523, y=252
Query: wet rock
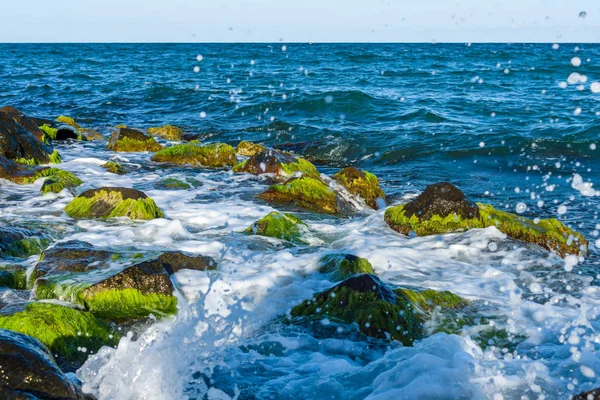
x=248, y=149
x=343, y=266
x=280, y=164
x=168, y=132
x=130, y=140
x=20, y=242
x=304, y=192
x=591, y=395
x=114, y=168
x=19, y=144
x=30, y=372
x=444, y=208
x=362, y=184
x=56, y=179
x=215, y=155
x=71, y=256
x=13, y=277
x=60, y=180
x=112, y=202
x=278, y=225
x=54, y=130
x=84, y=134
x=172, y=184
x=64, y=330
x=176, y=261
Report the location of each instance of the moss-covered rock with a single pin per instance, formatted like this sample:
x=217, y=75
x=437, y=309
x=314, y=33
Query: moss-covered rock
x=589, y=395
x=54, y=131
x=176, y=261
x=13, y=276
x=443, y=208
x=66, y=331
x=215, y=155
x=169, y=132
x=114, y=168
x=84, y=134
x=362, y=184
x=279, y=164
x=248, y=149
x=71, y=256
x=342, y=266
x=20, y=242
x=30, y=372
x=304, y=192
x=111, y=202
x=58, y=180
x=278, y=225
x=130, y=140
x=172, y=184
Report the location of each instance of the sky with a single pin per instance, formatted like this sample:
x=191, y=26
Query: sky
x=300, y=21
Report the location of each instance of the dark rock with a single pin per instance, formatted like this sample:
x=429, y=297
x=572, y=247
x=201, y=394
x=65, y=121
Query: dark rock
x=279, y=163
x=176, y=261
x=130, y=140
x=442, y=199
x=366, y=283
x=17, y=172
x=30, y=372
x=591, y=395
x=126, y=193
x=71, y=256
x=113, y=202
x=20, y=242
x=17, y=142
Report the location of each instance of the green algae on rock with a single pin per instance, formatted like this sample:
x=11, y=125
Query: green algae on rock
x=84, y=134
x=172, y=184
x=114, y=168
x=112, y=202
x=361, y=183
x=278, y=225
x=169, y=132
x=71, y=256
x=342, y=266
x=248, y=149
x=304, y=192
x=130, y=140
x=63, y=329
x=215, y=155
x=57, y=180
x=20, y=242
x=280, y=164
x=443, y=208
x=59, y=132
x=13, y=277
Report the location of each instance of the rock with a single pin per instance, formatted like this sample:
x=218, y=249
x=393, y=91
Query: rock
x=71, y=256
x=28, y=123
x=84, y=134
x=343, y=266
x=13, y=277
x=361, y=183
x=176, y=261
x=17, y=143
x=280, y=164
x=248, y=149
x=58, y=131
x=444, y=208
x=304, y=192
x=168, y=132
x=114, y=168
x=20, y=242
x=172, y=184
x=64, y=330
x=30, y=372
x=130, y=140
x=59, y=180
x=216, y=155
x=112, y=202
x=278, y=225
x=26, y=174
x=591, y=395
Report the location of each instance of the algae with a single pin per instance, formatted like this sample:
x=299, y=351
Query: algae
x=216, y=155
x=278, y=225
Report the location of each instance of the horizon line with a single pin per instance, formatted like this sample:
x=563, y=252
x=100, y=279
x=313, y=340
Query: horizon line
x=310, y=43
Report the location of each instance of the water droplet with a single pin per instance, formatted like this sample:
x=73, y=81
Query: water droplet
x=555, y=46
x=576, y=61
x=199, y=57
x=202, y=114
x=196, y=69
x=481, y=144
x=577, y=111
x=492, y=246
x=328, y=99
x=582, y=14
x=521, y=208
x=283, y=48
x=562, y=210
x=595, y=87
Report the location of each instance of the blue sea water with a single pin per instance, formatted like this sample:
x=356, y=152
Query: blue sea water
x=509, y=124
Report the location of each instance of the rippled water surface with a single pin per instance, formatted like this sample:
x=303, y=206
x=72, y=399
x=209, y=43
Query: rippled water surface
x=508, y=124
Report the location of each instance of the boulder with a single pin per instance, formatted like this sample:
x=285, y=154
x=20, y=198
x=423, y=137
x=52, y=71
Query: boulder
x=84, y=134
x=54, y=130
x=114, y=168
x=30, y=372
x=64, y=330
x=130, y=140
x=13, y=277
x=19, y=144
x=56, y=179
x=248, y=149
x=278, y=164
x=112, y=202
x=305, y=192
x=20, y=242
x=341, y=266
x=215, y=155
x=278, y=225
x=443, y=208
x=176, y=261
x=362, y=184
x=168, y=132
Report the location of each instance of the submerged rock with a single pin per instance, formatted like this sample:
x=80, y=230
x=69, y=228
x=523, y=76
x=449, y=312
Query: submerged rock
x=64, y=330
x=30, y=372
x=176, y=261
x=361, y=183
x=114, y=168
x=444, y=208
x=71, y=256
x=112, y=202
x=13, y=277
x=343, y=266
x=215, y=155
x=248, y=149
x=18, y=143
x=591, y=395
x=20, y=242
x=168, y=132
x=304, y=192
x=278, y=225
x=172, y=184
x=130, y=140
x=278, y=163
x=22, y=174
